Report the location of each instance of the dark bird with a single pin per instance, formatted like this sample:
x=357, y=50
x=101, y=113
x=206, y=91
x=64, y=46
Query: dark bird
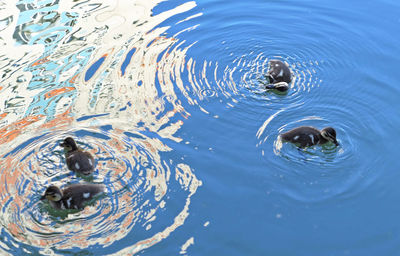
x=73, y=196
x=77, y=160
x=279, y=76
x=306, y=136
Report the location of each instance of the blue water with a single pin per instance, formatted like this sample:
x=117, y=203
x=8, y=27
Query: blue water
x=168, y=97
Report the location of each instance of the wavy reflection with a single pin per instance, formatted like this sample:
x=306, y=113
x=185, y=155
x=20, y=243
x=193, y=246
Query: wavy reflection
x=141, y=186
x=92, y=70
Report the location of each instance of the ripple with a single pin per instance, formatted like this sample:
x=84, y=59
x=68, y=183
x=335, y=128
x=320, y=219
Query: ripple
x=304, y=79
x=319, y=168
x=140, y=187
x=241, y=81
x=79, y=76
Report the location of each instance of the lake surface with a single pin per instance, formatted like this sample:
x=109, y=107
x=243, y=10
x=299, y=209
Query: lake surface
x=168, y=97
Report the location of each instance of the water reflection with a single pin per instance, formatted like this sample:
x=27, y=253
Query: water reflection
x=97, y=72
x=140, y=185
x=110, y=74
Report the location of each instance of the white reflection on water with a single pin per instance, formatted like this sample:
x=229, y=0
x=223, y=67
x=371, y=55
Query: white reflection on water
x=124, y=114
x=78, y=67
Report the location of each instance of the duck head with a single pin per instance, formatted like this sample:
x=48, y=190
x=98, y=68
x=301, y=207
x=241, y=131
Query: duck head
x=69, y=144
x=329, y=134
x=52, y=193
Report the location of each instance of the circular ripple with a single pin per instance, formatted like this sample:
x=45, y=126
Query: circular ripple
x=322, y=172
x=141, y=185
x=304, y=79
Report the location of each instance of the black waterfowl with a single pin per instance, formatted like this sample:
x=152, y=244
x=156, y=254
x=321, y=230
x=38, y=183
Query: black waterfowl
x=279, y=76
x=73, y=196
x=306, y=136
x=77, y=160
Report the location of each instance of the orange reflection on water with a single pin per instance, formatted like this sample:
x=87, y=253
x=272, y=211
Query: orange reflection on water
x=3, y=114
x=149, y=146
x=59, y=121
x=58, y=91
x=41, y=61
x=15, y=230
x=11, y=131
x=116, y=143
x=6, y=165
x=11, y=176
x=72, y=80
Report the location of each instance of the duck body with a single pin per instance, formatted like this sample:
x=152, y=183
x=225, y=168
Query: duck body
x=278, y=72
x=73, y=196
x=279, y=76
x=77, y=160
x=306, y=136
x=80, y=162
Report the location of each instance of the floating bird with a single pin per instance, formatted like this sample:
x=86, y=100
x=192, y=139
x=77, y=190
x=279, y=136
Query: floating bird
x=306, y=136
x=77, y=160
x=73, y=196
x=279, y=76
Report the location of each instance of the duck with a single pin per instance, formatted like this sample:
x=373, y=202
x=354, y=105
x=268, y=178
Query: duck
x=306, y=136
x=278, y=75
x=79, y=161
x=73, y=196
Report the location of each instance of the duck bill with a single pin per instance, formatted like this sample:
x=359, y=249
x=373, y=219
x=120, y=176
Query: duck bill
x=62, y=144
x=336, y=143
x=42, y=198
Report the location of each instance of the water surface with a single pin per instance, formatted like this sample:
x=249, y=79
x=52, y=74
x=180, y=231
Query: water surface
x=167, y=96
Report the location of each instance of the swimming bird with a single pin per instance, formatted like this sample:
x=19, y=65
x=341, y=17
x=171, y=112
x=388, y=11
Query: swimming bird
x=77, y=160
x=306, y=136
x=73, y=196
x=279, y=76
